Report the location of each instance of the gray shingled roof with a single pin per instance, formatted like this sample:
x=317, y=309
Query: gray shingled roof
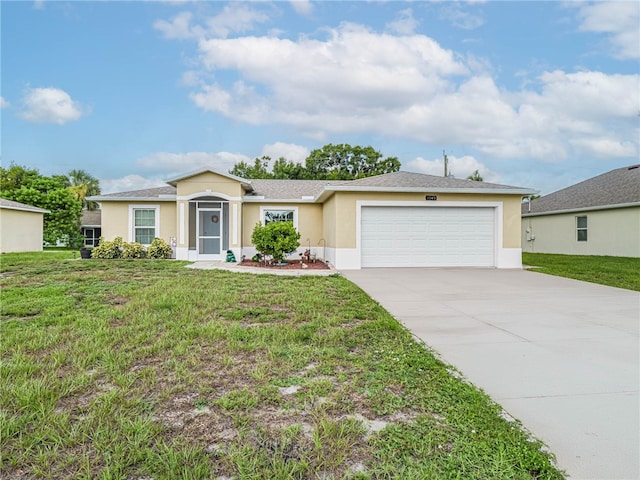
x=10, y=204
x=421, y=180
x=617, y=187
x=91, y=217
x=133, y=194
x=287, y=189
x=296, y=189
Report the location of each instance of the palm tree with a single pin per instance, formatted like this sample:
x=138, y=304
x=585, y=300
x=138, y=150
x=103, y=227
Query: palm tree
x=84, y=185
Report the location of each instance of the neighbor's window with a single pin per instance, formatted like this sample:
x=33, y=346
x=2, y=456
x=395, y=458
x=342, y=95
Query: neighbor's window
x=581, y=225
x=144, y=225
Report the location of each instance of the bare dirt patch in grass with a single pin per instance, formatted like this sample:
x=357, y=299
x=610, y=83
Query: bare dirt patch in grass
x=212, y=374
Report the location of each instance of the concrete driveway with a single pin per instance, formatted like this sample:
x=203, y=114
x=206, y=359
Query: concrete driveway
x=558, y=354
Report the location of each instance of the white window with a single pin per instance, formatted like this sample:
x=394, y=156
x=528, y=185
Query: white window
x=581, y=228
x=144, y=223
x=279, y=214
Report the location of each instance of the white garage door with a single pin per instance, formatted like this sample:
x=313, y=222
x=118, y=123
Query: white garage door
x=427, y=237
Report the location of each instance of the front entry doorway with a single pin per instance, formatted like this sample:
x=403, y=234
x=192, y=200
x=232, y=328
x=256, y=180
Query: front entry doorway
x=209, y=227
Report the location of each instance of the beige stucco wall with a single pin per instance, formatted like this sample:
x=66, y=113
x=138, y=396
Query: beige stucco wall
x=115, y=219
x=209, y=183
x=329, y=216
x=345, y=212
x=309, y=221
x=20, y=231
x=613, y=232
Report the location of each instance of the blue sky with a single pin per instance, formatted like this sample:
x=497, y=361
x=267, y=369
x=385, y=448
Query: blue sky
x=534, y=94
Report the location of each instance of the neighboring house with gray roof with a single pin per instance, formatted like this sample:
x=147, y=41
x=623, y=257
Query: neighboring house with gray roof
x=21, y=227
x=396, y=219
x=599, y=216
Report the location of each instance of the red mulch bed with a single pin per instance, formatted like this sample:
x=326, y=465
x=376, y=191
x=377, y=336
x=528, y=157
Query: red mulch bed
x=291, y=265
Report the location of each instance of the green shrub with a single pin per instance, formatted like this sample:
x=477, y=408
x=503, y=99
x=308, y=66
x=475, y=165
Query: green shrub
x=133, y=250
x=159, y=249
x=108, y=249
x=276, y=239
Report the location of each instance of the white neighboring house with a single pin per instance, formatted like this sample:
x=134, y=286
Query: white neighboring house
x=599, y=216
x=21, y=227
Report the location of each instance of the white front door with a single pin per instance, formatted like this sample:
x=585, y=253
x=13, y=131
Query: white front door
x=209, y=234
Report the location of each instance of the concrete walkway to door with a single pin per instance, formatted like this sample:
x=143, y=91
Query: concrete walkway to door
x=558, y=354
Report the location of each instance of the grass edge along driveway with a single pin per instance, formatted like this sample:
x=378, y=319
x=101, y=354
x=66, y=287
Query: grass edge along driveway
x=620, y=272
x=146, y=369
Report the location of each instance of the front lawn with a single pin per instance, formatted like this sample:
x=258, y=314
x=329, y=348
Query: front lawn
x=621, y=272
x=144, y=369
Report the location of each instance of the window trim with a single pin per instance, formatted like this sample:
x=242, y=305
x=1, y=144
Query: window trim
x=132, y=209
x=264, y=209
x=584, y=229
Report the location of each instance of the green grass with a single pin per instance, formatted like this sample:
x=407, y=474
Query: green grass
x=621, y=272
x=120, y=369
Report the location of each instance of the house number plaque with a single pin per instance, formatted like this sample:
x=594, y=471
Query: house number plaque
x=431, y=197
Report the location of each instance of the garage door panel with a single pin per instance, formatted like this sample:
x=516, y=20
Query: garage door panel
x=427, y=236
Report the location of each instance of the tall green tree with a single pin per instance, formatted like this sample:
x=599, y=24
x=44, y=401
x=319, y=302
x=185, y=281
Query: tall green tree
x=259, y=169
x=344, y=162
x=83, y=185
x=476, y=177
x=287, y=169
x=28, y=186
x=15, y=176
x=331, y=162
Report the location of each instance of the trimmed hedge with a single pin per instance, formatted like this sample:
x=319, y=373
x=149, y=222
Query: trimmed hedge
x=117, y=248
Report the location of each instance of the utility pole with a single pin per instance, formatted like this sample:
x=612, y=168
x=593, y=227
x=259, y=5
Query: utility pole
x=446, y=164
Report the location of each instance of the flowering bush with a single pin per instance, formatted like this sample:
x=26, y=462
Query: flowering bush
x=133, y=250
x=108, y=249
x=120, y=249
x=159, y=249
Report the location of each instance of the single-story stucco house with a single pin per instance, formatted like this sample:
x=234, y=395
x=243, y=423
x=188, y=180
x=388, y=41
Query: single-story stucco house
x=21, y=227
x=599, y=216
x=395, y=219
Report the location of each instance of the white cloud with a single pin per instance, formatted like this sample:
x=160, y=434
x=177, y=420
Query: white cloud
x=460, y=16
x=179, y=26
x=235, y=17
x=290, y=151
x=173, y=163
x=355, y=80
x=50, y=105
x=38, y=5
x=302, y=7
x=619, y=20
x=355, y=73
x=602, y=147
x=4, y=103
x=129, y=183
x=460, y=167
x=404, y=24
